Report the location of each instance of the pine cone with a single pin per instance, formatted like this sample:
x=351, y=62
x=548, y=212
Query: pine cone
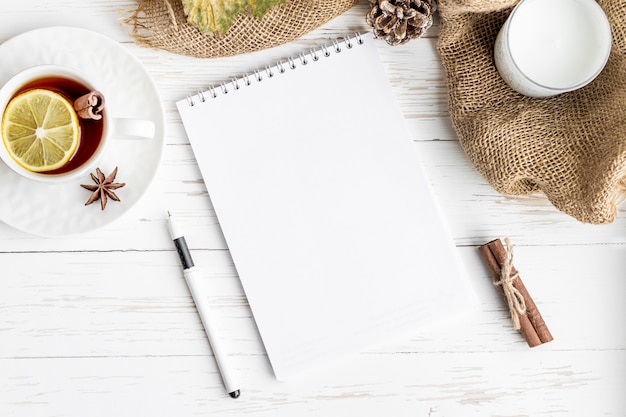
x=398, y=21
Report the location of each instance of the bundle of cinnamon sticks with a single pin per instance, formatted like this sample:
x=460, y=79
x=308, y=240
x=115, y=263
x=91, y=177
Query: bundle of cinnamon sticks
x=524, y=311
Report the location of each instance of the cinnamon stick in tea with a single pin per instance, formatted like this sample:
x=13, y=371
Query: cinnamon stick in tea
x=532, y=325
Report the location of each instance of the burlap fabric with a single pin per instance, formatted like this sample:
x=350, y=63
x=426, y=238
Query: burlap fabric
x=571, y=147
x=161, y=24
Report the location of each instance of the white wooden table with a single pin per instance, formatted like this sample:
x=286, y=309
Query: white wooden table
x=103, y=325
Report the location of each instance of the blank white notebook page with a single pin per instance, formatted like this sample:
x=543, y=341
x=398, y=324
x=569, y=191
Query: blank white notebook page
x=328, y=217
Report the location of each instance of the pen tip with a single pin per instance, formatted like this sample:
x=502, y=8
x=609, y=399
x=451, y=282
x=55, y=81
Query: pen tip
x=234, y=394
x=168, y=214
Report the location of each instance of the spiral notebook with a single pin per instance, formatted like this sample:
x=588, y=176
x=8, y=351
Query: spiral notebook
x=328, y=217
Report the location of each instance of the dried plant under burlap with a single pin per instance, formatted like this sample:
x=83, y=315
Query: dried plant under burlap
x=162, y=24
x=571, y=147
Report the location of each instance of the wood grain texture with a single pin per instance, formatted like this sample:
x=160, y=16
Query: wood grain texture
x=103, y=325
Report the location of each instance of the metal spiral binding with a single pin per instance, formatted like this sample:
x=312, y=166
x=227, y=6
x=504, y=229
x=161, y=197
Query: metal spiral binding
x=280, y=67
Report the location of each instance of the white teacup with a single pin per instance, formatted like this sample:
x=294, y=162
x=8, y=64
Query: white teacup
x=96, y=135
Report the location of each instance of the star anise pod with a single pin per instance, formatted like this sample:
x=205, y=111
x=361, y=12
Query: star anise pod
x=103, y=187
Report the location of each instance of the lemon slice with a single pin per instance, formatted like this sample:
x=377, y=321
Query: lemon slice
x=40, y=130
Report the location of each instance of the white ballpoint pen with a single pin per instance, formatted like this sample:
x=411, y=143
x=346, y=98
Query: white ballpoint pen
x=189, y=271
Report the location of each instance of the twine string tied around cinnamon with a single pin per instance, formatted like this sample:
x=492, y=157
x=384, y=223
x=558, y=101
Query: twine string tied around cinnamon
x=514, y=298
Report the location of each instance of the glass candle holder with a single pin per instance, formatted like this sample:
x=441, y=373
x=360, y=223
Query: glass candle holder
x=550, y=47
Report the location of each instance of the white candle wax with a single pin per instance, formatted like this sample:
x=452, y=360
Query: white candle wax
x=548, y=47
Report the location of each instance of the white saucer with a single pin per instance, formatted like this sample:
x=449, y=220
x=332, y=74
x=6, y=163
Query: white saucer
x=58, y=210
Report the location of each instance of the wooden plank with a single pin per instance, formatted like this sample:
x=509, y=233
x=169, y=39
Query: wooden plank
x=131, y=303
x=474, y=211
x=479, y=384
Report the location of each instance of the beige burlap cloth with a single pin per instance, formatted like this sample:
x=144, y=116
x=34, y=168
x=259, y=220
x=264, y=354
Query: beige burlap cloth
x=571, y=147
x=161, y=24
